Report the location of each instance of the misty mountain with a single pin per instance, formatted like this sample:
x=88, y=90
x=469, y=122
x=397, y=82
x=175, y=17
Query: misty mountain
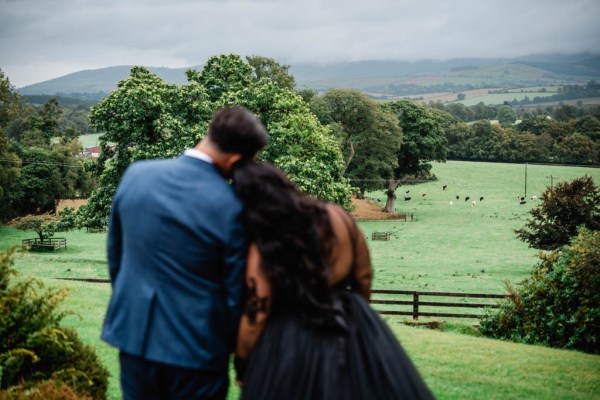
x=101, y=81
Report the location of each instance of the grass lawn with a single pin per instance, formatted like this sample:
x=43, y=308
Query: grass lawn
x=90, y=140
x=448, y=247
x=454, y=246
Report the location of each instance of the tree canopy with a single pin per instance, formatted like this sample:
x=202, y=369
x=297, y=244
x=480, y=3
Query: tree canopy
x=424, y=138
x=264, y=67
x=39, y=163
x=148, y=118
x=369, y=137
x=506, y=115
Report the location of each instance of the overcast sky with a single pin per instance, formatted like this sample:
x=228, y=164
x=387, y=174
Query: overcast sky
x=45, y=39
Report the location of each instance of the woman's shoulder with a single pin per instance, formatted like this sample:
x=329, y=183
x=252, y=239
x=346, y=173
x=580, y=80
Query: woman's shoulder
x=339, y=216
x=336, y=209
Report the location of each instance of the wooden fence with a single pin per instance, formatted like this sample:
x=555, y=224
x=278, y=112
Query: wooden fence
x=46, y=244
x=416, y=303
x=381, y=235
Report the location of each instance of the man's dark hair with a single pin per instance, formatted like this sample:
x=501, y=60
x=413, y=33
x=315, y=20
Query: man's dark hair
x=237, y=130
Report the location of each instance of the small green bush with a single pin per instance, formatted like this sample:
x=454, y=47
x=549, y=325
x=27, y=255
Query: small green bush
x=66, y=220
x=34, y=346
x=43, y=390
x=559, y=305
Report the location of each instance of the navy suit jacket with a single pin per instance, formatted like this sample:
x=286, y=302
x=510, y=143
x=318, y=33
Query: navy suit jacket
x=176, y=255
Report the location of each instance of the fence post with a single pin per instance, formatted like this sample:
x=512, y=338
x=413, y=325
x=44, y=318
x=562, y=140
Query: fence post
x=416, y=305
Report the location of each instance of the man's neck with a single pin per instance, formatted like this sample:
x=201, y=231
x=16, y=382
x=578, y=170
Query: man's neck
x=208, y=148
x=199, y=154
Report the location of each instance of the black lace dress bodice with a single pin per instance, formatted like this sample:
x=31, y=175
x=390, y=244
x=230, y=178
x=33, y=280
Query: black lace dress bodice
x=353, y=356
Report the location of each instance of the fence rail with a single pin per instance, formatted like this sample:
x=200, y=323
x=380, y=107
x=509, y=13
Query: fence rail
x=416, y=303
x=46, y=244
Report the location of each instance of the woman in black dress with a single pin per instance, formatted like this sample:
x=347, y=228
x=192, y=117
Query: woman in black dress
x=308, y=331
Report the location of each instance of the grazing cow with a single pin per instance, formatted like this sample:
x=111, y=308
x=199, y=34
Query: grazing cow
x=522, y=202
x=481, y=199
x=467, y=198
x=408, y=191
x=407, y=198
x=473, y=203
x=522, y=199
x=451, y=203
x=424, y=195
x=444, y=187
x=533, y=198
x=457, y=197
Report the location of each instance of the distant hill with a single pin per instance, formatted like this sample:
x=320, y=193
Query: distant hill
x=306, y=73
x=363, y=75
x=103, y=80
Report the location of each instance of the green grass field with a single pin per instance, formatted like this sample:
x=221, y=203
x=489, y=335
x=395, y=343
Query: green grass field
x=500, y=98
x=90, y=140
x=448, y=247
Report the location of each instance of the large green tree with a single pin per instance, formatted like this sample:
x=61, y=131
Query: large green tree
x=485, y=142
x=369, y=137
x=506, y=115
x=148, y=118
x=264, y=67
x=38, y=160
x=10, y=102
x=424, y=140
x=10, y=169
x=589, y=126
x=10, y=164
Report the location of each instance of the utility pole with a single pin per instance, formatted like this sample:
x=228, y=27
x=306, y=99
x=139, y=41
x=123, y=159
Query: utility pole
x=525, y=180
x=552, y=178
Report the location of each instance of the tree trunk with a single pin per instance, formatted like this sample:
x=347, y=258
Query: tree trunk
x=391, y=195
x=350, y=156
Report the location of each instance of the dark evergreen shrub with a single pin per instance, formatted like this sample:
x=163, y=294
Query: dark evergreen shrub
x=34, y=346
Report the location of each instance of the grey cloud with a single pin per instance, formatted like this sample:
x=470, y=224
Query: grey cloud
x=41, y=39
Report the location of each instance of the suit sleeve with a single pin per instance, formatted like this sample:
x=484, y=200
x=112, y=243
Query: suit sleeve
x=235, y=269
x=115, y=242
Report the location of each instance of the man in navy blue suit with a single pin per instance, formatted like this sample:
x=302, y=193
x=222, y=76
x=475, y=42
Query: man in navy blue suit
x=176, y=256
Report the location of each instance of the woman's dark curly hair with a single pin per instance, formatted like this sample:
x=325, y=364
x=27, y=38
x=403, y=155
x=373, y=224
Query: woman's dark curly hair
x=293, y=234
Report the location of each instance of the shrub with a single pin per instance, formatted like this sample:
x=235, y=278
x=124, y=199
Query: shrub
x=43, y=390
x=66, y=220
x=34, y=346
x=559, y=305
x=562, y=209
x=44, y=224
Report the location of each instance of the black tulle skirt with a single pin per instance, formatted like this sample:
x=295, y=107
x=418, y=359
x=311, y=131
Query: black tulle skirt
x=357, y=358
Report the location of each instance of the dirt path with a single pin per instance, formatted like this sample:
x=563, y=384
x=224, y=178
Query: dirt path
x=365, y=210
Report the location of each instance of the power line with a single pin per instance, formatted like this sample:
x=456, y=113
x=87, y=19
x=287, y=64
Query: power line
x=387, y=180
x=49, y=163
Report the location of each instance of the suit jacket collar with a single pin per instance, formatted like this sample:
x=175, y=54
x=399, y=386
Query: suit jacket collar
x=201, y=163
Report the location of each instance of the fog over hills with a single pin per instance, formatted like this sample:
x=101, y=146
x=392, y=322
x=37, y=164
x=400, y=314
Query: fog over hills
x=105, y=80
